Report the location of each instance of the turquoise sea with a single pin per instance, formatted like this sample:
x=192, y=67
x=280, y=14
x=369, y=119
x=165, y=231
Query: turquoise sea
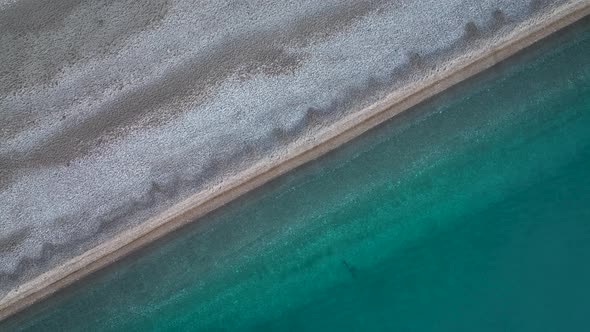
x=470, y=212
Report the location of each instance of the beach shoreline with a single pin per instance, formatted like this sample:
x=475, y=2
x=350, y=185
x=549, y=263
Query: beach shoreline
x=295, y=154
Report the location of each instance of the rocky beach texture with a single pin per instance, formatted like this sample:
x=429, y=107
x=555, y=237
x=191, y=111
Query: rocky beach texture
x=111, y=112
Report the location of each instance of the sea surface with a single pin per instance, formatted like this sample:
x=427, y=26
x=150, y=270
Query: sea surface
x=469, y=212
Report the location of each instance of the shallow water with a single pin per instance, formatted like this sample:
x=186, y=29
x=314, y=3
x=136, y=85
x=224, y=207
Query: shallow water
x=470, y=212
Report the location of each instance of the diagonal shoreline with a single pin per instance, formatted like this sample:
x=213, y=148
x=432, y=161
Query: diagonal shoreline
x=295, y=155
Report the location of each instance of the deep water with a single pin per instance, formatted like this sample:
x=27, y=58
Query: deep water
x=470, y=212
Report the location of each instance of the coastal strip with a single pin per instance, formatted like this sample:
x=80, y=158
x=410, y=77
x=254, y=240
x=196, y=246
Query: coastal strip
x=294, y=155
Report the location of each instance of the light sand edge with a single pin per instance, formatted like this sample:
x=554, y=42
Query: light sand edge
x=299, y=153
